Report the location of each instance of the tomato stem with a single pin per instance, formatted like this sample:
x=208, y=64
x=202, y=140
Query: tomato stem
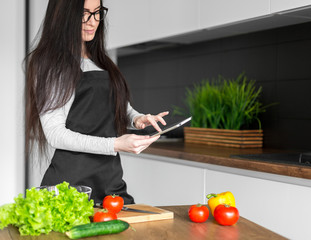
x=105, y=210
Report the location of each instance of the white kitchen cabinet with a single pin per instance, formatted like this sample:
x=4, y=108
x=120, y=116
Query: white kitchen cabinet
x=278, y=206
x=285, y=5
x=169, y=18
x=276, y=202
x=128, y=22
x=217, y=13
x=160, y=183
x=139, y=21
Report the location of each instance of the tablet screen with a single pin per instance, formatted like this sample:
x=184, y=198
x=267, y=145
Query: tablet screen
x=171, y=127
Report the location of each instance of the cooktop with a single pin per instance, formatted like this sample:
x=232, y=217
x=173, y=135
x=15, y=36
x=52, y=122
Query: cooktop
x=296, y=158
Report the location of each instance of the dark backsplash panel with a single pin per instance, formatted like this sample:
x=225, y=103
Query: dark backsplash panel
x=279, y=60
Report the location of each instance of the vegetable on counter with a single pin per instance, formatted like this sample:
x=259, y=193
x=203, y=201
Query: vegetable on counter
x=113, y=203
x=104, y=215
x=42, y=212
x=226, y=215
x=222, y=198
x=198, y=213
x=98, y=228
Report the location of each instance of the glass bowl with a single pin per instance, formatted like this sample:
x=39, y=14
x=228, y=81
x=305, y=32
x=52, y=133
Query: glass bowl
x=80, y=188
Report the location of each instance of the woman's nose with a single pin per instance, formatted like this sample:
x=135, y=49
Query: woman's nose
x=92, y=20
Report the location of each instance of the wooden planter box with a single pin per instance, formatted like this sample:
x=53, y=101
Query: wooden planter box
x=224, y=137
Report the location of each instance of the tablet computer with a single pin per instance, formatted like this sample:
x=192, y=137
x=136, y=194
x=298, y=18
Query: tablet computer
x=171, y=127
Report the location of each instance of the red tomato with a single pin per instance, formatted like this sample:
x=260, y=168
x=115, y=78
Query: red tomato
x=104, y=216
x=226, y=215
x=198, y=213
x=113, y=203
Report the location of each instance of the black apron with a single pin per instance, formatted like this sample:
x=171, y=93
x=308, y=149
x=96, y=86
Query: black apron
x=92, y=113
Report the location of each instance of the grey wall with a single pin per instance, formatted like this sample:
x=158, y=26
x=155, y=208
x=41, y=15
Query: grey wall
x=12, y=49
x=279, y=60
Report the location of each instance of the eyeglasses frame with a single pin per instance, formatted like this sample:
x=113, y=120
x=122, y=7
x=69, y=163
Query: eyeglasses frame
x=105, y=11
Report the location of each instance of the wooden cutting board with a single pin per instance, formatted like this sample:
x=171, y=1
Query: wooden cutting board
x=135, y=217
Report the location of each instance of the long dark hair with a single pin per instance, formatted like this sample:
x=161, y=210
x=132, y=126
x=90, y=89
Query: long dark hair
x=53, y=68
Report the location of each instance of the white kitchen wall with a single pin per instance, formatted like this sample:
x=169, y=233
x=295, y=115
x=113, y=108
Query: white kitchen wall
x=12, y=20
x=37, y=12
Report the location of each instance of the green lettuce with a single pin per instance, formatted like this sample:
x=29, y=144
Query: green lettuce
x=42, y=212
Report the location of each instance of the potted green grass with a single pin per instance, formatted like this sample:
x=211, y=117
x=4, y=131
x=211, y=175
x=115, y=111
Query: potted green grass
x=222, y=112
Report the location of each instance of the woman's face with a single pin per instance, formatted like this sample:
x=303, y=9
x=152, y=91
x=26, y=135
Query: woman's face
x=89, y=28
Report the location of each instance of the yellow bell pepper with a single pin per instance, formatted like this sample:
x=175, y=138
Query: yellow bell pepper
x=222, y=198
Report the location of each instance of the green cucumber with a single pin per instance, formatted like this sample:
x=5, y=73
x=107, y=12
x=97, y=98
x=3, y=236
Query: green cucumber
x=97, y=228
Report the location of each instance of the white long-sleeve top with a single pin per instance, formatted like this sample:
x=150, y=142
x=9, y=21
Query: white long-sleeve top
x=59, y=137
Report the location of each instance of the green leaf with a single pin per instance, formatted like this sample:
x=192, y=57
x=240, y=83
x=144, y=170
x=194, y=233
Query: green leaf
x=42, y=212
x=223, y=103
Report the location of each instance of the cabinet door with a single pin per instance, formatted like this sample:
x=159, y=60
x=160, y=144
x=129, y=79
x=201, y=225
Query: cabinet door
x=128, y=22
x=271, y=204
x=169, y=18
x=216, y=13
x=160, y=183
x=283, y=5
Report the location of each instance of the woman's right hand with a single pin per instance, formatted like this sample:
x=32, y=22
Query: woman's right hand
x=133, y=143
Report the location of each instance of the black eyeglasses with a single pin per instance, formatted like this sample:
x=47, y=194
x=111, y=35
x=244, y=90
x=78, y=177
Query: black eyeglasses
x=98, y=15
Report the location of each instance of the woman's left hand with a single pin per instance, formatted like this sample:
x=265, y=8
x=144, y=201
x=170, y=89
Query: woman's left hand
x=146, y=120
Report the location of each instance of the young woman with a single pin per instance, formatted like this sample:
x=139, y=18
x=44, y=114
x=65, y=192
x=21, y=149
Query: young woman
x=78, y=101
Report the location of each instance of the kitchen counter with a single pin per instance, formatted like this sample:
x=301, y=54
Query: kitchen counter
x=178, y=228
x=221, y=156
